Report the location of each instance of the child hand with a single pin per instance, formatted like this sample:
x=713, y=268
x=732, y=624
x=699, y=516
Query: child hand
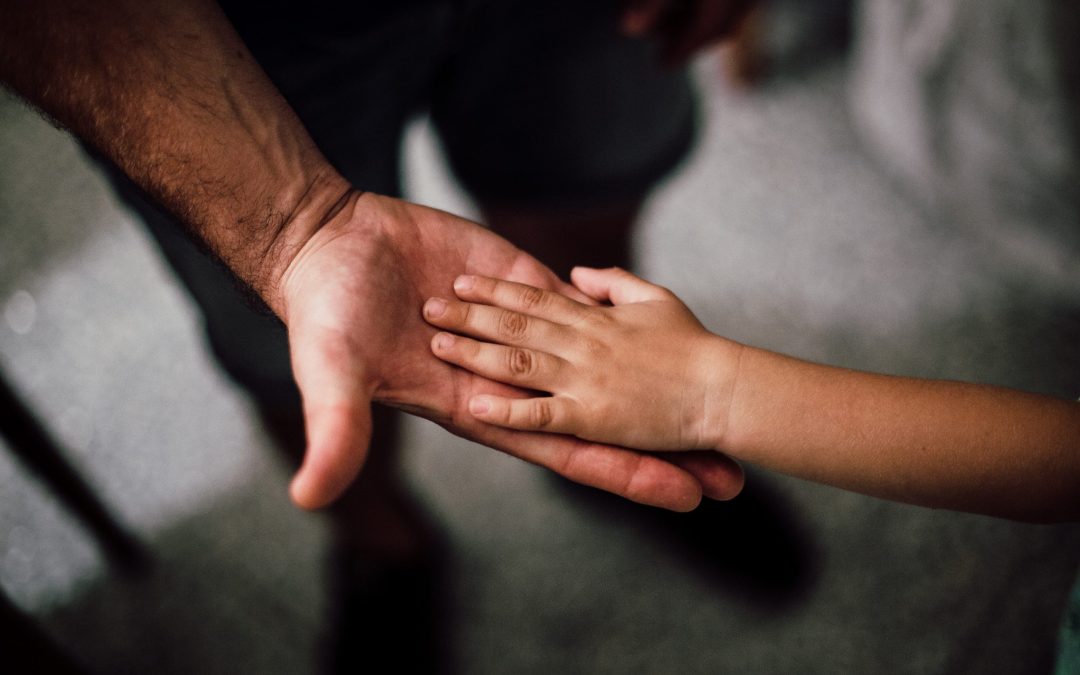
x=643, y=373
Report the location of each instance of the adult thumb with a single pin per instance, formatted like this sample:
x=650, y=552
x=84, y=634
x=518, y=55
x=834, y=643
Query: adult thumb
x=337, y=417
x=337, y=444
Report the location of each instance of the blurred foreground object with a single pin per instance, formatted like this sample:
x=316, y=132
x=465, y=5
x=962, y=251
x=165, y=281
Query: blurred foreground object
x=972, y=106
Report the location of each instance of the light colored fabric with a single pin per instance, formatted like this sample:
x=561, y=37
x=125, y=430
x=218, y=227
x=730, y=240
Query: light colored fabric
x=972, y=105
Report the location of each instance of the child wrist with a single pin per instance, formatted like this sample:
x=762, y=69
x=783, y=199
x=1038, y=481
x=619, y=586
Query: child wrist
x=722, y=368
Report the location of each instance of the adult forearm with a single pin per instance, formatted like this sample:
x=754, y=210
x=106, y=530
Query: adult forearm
x=168, y=91
x=940, y=444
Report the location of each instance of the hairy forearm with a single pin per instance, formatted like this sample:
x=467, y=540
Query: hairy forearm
x=169, y=92
x=934, y=443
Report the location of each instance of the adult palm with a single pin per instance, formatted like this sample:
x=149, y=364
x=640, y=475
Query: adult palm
x=352, y=299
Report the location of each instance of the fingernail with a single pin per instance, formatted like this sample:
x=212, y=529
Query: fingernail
x=443, y=341
x=435, y=307
x=464, y=282
x=479, y=406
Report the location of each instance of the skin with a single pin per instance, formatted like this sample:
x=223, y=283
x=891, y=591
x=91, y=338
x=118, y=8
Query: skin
x=683, y=28
x=643, y=372
x=169, y=93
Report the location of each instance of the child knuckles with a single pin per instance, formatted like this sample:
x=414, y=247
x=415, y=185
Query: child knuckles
x=532, y=298
x=541, y=414
x=521, y=362
x=512, y=326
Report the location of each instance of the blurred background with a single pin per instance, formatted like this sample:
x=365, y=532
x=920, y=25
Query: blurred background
x=888, y=187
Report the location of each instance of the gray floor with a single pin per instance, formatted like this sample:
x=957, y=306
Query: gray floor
x=780, y=232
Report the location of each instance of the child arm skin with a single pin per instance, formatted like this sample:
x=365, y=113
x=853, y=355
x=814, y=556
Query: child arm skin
x=644, y=373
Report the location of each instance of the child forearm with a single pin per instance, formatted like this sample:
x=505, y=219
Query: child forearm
x=646, y=374
x=940, y=444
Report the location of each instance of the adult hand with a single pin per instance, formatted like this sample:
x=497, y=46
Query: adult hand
x=352, y=297
x=683, y=26
x=347, y=273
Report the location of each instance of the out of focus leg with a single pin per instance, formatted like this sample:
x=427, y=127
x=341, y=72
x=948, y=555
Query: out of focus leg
x=560, y=126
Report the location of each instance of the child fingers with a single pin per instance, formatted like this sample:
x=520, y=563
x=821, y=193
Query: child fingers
x=616, y=285
x=521, y=298
x=494, y=324
x=550, y=413
x=512, y=365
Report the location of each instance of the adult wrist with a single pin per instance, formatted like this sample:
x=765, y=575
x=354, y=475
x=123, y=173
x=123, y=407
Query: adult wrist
x=322, y=198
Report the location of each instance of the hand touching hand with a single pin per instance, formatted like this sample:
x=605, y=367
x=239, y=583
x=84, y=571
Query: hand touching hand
x=643, y=373
x=683, y=26
x=351, y=298
x=346, y=273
